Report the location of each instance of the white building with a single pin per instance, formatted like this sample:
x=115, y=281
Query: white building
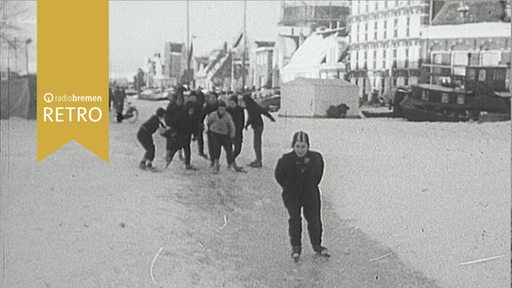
x=319, y=57
x=385, y=43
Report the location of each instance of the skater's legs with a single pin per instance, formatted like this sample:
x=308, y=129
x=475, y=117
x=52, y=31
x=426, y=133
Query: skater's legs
x=258, y=132
x=237, y=147
x=186, y=149
x=146, y=140
x=200, y=142
x=293, y=205
x=312, y=215
x=216, y=145
x=210, y=144
x=228, y=148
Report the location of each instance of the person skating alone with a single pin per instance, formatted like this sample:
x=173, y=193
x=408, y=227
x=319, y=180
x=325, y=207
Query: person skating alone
x=254, y=120
x=299, y=172
x=238, y=116
x=179, y=135
x=145, y=137
x=222, y=133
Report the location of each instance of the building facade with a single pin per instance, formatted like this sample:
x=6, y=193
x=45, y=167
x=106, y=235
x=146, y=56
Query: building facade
x=475, y=33
x=385, y=43
x=174, y=61
x=299, y=19
x=260, y=67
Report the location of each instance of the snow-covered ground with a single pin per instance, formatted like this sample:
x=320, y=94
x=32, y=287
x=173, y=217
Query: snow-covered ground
x=435, y=194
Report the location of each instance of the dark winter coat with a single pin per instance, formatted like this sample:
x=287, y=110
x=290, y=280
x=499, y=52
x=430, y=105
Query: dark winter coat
x=183, y=125
x=151, y=125
x=298, y=175
x=254, y=112
x=172, y=112
x=207, y=109
x=238, y=116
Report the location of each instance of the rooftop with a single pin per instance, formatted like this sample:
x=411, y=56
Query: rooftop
x=477, y=11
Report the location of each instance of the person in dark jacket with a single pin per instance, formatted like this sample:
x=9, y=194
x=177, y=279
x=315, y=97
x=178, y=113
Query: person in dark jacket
x=180, y=133
x=200, y=102
x=173, y=110
x=299, y=172
x=145, y=137
x=119, y=99
x=254, y=120
x=238, y=116
x=210, y=106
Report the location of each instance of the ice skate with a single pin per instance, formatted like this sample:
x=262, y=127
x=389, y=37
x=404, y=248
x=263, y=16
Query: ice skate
x=203, y=155
x=296, y=250
x=142, y=165
x=191, y=167
x=238, y=168
x=216, y=167
x=153, y=169
x=256, y=164
x=321, y=251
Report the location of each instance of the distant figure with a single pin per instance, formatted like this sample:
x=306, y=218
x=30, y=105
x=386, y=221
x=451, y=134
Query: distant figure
x=145, y=137
x=254, y=120
x=299, y=172
x=222, y=130
x=119, y=99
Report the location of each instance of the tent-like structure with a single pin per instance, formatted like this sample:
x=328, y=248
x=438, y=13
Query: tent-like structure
x=18, y=97
x=304, y=97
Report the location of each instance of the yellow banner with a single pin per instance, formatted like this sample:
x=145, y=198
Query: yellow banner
x=72, y=75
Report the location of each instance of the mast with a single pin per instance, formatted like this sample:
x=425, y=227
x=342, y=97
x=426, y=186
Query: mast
x=188, y=44
x=245, y=45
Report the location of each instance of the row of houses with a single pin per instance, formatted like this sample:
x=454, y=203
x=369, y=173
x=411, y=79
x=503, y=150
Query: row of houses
x=376, y=45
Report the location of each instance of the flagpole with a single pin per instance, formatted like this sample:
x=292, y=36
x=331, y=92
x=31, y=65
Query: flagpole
x=188, y=43
x=245, y=45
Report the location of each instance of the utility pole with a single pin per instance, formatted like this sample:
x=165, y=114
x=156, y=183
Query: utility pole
x=188, y=45
x=245, y=45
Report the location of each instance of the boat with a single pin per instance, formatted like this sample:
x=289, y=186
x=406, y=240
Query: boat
x=484, y=91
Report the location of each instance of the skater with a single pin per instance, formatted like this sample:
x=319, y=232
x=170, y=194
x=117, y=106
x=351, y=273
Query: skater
x=222, y=133
x=299, y=172
x=200, y=98
x=179, y=135
x=210, y=106
x=238, y=116
x=254, y=112
x=145, y=137
x=173, y=110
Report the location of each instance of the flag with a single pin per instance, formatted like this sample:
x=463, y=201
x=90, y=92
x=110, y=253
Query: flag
x=190, y=52
x=238, y=38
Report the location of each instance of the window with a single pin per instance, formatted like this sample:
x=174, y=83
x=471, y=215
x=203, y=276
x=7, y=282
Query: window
x=395, y=34
x=376, y=6
x=366, y=32
x=367, y=6
x=406, y=81
x=359, y=7
x=407, y=29
x=385, y=4
x=375, y=29
x=357, y=60
x=357, y=28
x=424, y=95
x=445, y=98
x=365, y=65
x=384, y=59
x=481, y=75
x=394, y=81
x=406, y=63
x=385, y=28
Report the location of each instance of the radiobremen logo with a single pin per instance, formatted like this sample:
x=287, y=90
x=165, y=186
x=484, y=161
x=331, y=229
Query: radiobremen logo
x=63, y=117
x=71, y=113
x=72, y=76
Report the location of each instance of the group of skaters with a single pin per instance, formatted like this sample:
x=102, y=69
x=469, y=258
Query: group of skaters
x=192, y=114
x=298, y=172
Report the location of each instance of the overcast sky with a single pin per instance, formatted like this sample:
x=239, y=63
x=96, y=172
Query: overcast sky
x=138, y=29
